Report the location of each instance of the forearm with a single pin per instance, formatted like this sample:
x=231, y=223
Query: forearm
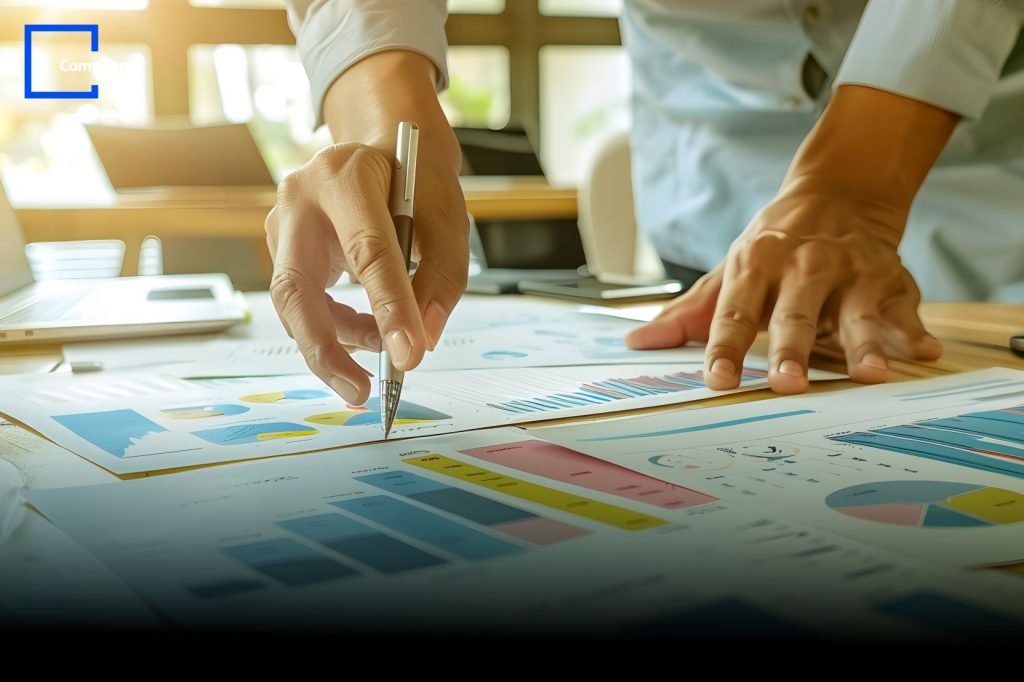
x=872, y=144
x=368, y=100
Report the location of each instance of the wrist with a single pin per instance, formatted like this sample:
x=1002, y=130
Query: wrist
x=366, y=103
x=873, y=145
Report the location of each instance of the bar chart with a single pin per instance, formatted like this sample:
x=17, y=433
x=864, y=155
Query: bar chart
x=566, y=502
x=603, y=391
x=991, y=440
x=503, y=518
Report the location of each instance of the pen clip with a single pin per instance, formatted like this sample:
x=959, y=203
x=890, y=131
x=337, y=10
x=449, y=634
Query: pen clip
x=405, y=159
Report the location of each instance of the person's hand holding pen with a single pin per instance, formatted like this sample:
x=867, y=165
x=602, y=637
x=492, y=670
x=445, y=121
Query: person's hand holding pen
x=332, y=216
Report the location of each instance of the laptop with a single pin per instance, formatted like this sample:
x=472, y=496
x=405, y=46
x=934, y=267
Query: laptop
x=79, y=309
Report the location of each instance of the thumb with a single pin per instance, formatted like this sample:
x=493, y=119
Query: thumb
x=687, y=318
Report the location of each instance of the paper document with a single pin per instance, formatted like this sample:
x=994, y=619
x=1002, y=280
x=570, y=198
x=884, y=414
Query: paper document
x=435, y=532
x=129, y=423
x=538, y=340
x=932, y=468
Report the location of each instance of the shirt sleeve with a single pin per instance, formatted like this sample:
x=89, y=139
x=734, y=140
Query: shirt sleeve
x=948, y=53
x=332, y=35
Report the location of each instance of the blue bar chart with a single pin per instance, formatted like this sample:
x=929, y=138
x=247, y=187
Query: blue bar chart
x=289, y=562
x=361, y=543
x=611, y=390
x=428, y=527
x=990, y=441
x=504, y=518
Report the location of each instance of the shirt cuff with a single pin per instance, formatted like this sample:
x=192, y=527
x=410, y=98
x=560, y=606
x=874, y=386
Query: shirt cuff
x=948, y=53
x=332, y=35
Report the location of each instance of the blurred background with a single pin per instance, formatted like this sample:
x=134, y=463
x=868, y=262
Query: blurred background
x=552, y=74
x=553, y=68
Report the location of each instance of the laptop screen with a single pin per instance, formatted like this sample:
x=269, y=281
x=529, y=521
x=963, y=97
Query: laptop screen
x=15, y=272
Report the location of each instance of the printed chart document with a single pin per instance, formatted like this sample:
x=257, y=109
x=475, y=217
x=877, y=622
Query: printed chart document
x=522, y=338
x=492, y=531
x=931, y=468
x=130, y=423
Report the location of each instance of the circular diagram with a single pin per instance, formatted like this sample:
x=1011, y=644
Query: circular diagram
x=929, y=504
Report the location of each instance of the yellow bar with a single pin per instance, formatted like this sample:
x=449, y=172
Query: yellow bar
x=620, y=517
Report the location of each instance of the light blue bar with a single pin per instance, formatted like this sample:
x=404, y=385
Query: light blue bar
x=401, y=482
x=701, y=427
x=934, y=451
x=957, y=439
x=596, y=395
x=428, y=527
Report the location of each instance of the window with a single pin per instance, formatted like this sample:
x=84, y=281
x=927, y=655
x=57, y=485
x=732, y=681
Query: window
x=506, y=59
x=584, y=100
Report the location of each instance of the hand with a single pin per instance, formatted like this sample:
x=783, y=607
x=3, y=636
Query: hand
x=809, y=266
x=820, y=261
x=332, y=217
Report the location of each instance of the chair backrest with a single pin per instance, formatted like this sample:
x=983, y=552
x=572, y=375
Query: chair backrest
x=611, y=239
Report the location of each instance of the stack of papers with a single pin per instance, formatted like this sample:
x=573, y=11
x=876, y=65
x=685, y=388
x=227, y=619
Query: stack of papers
x=853, y=512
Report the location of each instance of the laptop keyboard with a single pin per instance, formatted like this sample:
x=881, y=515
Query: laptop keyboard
x=47, y=309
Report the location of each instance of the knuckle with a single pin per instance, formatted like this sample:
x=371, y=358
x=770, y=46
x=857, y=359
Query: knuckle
x=316, y=355
x=366, y=250
x=723, y=350
x=287, y=285
x=736, y=317
x=815, y=262
x=796, y=319
x=289, y=187
x=270, y=225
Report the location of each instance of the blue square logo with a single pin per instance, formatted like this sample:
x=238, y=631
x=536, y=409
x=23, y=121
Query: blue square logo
x=94, y=34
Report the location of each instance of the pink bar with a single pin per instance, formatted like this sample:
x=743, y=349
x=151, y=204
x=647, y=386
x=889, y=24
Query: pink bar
x=540, y=531
x=562, y=464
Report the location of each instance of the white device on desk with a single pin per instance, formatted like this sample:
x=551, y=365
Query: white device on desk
x=69, y=310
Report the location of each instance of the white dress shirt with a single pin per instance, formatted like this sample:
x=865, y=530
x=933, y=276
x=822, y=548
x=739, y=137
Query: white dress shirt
x=725, y=91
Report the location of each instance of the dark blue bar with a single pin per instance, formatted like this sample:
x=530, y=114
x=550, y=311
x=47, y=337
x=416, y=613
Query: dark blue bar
x=428, y=527
x=288, y=562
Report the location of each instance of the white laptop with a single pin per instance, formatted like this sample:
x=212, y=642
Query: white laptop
x=78, y=309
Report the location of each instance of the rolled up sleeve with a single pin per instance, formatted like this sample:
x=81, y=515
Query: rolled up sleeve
x=948, y=53
x=332, y=35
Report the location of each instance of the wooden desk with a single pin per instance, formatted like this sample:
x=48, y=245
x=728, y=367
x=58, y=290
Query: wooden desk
x=241, y=212
x=975, y=337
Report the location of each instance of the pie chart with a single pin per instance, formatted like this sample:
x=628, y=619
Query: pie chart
x=503, y=355
x=929, y=504
x=369, y=414
x=286, y=396
x=202, y=411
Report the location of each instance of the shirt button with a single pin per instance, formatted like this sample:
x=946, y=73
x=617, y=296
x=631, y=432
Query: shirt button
x=794, y=102
x=811, y=15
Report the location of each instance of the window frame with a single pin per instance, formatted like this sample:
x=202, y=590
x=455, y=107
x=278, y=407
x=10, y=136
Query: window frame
x=170, y=27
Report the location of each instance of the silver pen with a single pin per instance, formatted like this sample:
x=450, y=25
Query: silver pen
x=403, y=190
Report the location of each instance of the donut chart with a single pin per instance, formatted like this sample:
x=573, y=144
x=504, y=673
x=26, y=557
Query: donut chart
x=929, y=504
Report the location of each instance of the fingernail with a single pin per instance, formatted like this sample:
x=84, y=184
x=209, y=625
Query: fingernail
x=723, y=367
x=873, y=360
x=434, y=319
x=399, y=346
x=791, y=367
x=345, y=389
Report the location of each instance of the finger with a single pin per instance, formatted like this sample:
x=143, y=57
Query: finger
x=443, y=267
x=860, y=332
x=298, y=296
x=735, y=323
x=271, y=228
x=793, y=326
x=358, y=210
x=353, y=329
x=685, y=319
x=903, y=329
